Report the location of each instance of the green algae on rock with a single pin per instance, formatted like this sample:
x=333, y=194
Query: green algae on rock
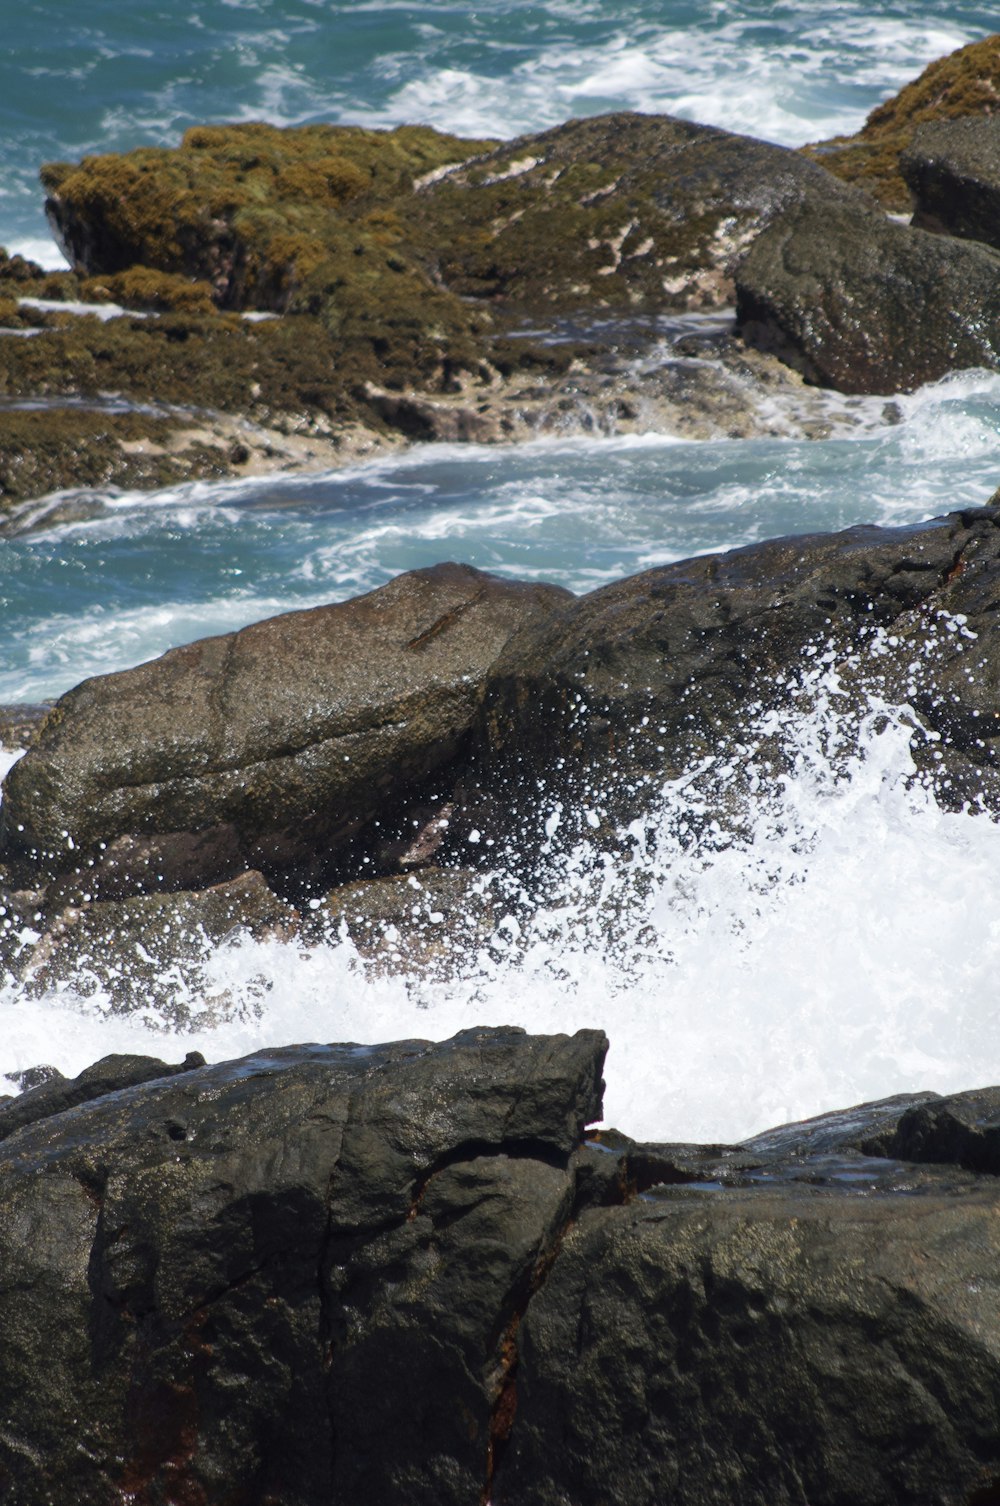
x=966, y=82
x=296, y=220
x=41, y=449
x=611, y=211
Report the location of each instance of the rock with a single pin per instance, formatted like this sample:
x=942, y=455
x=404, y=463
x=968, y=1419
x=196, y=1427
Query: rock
x=290, y=1277
x=145, y=952
x=269, y=748
x=961, y=1130
x=613, y=210
x=861, y=304
x=656, y=676
x=19, y=724
x=427, y=919
x=401, y=1273
x=767, y=1346
x=966, y=82
x=55, y=1094
x=952, y=168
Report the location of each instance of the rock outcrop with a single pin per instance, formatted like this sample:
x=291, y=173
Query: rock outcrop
x=408, y=1273
x=965, y=82
x=419, y=285
x=361, y=770
x=653, y=674
x=635, y=210
x=861, y=304
x=952, y=168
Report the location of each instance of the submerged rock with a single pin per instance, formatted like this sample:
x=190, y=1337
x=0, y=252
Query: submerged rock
x=952, y=168
x=407, y=1273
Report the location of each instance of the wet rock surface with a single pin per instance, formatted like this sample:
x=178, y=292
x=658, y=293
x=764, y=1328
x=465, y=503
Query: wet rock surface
x=385, y=771
x=952, y=168
x=649, y=676
x=408, y=1272
x=269, y=748
x=861, y=304
x=234, y=1278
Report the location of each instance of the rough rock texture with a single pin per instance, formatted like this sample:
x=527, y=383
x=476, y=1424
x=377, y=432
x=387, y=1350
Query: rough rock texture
x=650, y=675
x=862, y=304
x=966, y=82
x=766, y=1347
x=952, y=168
x=289, y=1277
x=19, y=724
x=268, y=748
x=431, y=919
x=402, y=1273
x=615, y=209
x=144, y=952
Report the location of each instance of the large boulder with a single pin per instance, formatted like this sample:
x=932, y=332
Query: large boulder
x=952, y=168
x=656, y=675
x=613, y=210
x=862, y=304
x=769, y=1345
x=408, y=1273
x=285, y=1278
x=269, y=748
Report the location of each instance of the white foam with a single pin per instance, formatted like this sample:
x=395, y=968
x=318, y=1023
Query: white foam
x=819, y=958
x=39, y=249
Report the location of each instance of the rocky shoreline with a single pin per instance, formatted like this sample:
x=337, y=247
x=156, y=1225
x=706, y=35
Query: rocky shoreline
x=418, y=286
x=418, y=1272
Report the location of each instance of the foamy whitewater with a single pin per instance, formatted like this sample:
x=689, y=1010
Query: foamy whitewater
x=840, y=938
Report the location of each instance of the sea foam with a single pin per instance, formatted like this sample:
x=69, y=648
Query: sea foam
x=823, y=943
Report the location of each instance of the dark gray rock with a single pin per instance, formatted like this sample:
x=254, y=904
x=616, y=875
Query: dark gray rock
x=268, y=748
x=54, y=1094
x=655, y=675
x=288, y=1278
x=766, y=1347
x=401, y=1274
x=860, y=303
x=952, y=168
x=961, y=1130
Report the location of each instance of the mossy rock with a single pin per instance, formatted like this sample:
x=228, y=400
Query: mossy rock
x=299, y=221
x=46, y=450
x=966, y=82
x=621, y=210
x=146, y=288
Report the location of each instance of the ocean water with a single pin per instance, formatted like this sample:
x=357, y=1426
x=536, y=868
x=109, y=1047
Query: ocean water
x=820, y=955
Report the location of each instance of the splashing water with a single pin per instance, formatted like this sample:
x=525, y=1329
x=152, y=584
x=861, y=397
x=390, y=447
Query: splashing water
x=792, y=926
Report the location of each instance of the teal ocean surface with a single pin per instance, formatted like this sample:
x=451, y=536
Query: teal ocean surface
x=809, y=966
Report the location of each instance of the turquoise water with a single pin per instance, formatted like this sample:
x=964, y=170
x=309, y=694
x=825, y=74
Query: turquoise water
x=108, y=76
